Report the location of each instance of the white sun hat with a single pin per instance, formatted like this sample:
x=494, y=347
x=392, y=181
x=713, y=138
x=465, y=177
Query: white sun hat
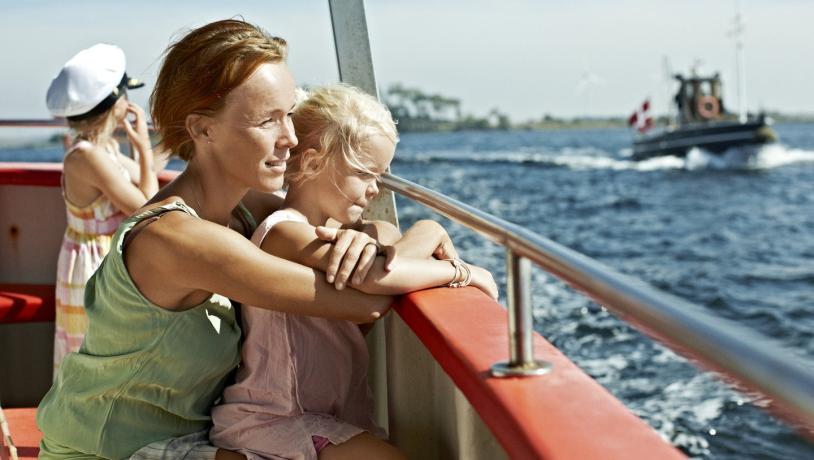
x=89, y=83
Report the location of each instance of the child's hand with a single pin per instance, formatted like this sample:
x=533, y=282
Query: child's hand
x=139, y=135
x=366, y=263
x=390, y=253
x=353, y=254
x=483, y=280
x=445, y=249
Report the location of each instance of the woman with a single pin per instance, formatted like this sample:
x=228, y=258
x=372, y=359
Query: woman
x=99, y=184
x=162, y=335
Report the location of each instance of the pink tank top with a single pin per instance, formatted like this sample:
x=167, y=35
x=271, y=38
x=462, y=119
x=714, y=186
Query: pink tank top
x=294, y=365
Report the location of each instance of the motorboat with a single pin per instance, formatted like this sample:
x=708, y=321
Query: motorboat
x=702, y=122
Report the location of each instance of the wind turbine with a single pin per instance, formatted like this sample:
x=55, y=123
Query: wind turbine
x=586, y=81
x=667, y=79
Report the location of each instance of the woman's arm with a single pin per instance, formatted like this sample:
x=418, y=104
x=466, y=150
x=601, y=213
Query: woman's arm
x=177, y=261
x=293, y=241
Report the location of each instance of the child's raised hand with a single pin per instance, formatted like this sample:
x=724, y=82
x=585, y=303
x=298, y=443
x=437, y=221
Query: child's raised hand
x=139, y=135
x=353, y=254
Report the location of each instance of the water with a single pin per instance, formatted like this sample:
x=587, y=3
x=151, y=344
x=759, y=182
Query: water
x=734, y=235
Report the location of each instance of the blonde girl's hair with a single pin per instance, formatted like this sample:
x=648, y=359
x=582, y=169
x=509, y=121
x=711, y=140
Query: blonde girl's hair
x=94, y=128
x=201, y=69
x=337, y=121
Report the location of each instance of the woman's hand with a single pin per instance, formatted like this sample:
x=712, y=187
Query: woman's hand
x=483, y=280
x=427, y=238
x=353, y=254
x=137, y=131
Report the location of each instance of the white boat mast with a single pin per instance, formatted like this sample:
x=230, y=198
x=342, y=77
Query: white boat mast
x=737, y=33
x=667, y=81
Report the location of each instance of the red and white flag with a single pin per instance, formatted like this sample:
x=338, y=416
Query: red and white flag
x=641, y=119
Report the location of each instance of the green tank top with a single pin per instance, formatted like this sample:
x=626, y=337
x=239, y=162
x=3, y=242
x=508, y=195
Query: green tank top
x=143, y=373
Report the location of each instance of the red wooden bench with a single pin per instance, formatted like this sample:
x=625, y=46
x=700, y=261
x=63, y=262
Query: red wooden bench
x=23, y=433
x=23, y=303
x=26, y=303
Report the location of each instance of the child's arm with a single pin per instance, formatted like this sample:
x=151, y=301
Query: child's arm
x=295, y=241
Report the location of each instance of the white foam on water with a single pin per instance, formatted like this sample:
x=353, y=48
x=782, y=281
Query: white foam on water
x=747, y=157
x=587, y=158
x=776, y=155
x=660, y=163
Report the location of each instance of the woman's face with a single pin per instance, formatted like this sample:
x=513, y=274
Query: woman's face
x=346, y=191
x=252, y=134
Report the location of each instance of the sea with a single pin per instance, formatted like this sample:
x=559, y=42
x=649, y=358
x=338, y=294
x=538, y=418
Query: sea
x=733, y=234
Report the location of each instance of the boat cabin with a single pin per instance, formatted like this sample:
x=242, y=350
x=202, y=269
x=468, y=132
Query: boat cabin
x=699, y=99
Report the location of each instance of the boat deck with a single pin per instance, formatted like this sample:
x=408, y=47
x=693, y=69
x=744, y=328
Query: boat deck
x=441, y=400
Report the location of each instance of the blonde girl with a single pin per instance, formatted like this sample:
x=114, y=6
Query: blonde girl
x=301, y=392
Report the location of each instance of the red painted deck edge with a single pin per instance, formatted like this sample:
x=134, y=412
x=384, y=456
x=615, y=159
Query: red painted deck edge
x=37, y=174
x=562, y=415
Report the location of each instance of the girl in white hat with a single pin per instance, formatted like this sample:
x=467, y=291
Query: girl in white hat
x=99, y=184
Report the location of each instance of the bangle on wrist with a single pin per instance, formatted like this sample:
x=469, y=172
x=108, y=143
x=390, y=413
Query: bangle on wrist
x=461, y=268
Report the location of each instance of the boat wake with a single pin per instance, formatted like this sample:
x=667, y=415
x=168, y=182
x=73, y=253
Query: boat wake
x=741, y=158
x=749, y=158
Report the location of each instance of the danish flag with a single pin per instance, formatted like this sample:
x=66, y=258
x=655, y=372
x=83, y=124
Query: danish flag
x=641, y=118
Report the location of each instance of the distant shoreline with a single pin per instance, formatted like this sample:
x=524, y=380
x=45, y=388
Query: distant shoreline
x=428, y=126
x=551, y=124
x=418, y=111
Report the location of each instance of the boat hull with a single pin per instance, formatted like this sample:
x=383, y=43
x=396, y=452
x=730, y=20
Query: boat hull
x=713, y=137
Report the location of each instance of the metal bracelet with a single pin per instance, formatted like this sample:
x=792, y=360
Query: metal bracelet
x=460, y=267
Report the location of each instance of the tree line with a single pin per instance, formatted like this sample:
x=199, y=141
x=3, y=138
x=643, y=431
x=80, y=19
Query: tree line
x=415, y=110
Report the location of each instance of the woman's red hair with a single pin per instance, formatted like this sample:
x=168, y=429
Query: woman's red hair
x=202, y=68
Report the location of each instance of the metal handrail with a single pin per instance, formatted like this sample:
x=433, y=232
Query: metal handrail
x=43, y=123
x=34, y=123
x=720, y=344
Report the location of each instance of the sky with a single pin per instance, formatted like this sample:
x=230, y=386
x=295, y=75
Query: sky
x=525, y=57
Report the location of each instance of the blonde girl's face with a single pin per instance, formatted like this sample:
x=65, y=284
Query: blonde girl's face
x=347, y=190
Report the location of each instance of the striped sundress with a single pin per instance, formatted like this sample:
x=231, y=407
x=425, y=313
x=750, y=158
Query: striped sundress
x=85, y=244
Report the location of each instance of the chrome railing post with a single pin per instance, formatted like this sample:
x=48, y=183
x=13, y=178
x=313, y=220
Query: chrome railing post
x=521, y=323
